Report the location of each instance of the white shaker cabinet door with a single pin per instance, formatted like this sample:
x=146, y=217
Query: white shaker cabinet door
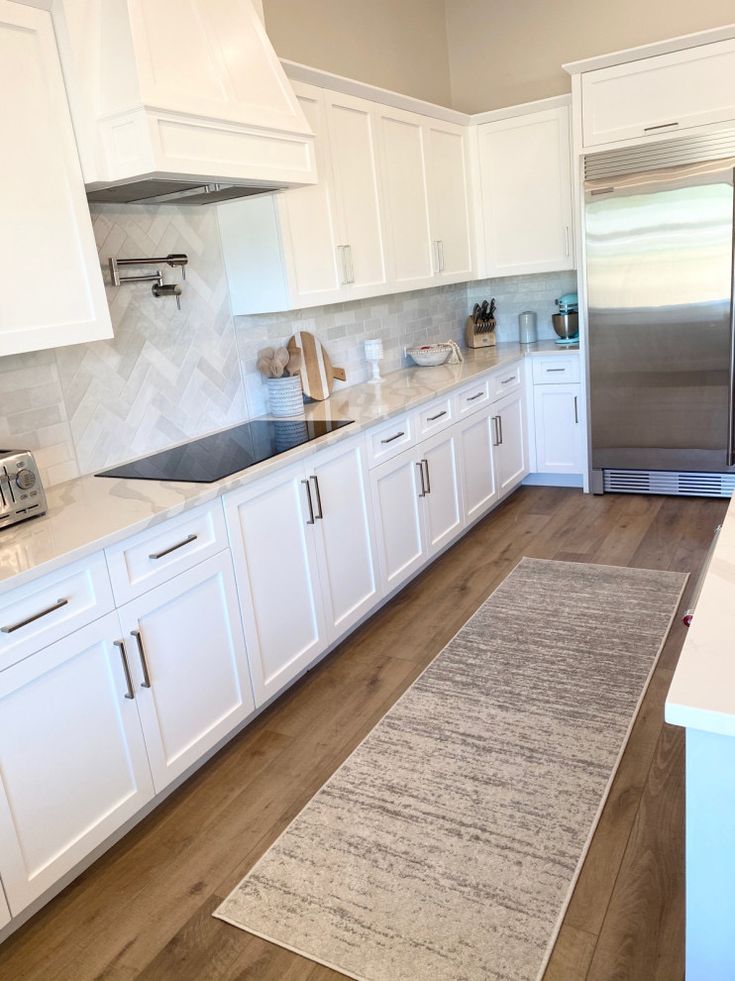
x=4, y=910
x=559, y=446
x=527, y=193
x=447, y=179
x=511, y=453
x=272, y=534
x=72, y=758
x=52, y=292
x=476, y=437
x=403, y=182
x=443, y=506
x=399, y=521
x=354, y=153
x=347, y=566
x=187, y=656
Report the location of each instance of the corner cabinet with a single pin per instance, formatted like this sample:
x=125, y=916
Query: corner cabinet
x=49, y=230
x=524, y=164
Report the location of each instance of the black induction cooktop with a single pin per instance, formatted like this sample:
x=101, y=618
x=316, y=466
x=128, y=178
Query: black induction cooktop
x=202, y=461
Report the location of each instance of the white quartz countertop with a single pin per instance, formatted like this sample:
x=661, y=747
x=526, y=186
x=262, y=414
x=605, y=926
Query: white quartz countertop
x=702, y=692
x=89, y=513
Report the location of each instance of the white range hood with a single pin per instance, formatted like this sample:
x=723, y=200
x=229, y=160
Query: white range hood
x=180, y=100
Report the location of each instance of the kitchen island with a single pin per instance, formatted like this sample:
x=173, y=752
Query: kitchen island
x=702, y=700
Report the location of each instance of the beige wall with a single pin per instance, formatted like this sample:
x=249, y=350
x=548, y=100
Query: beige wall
x=396, y=44
x=507, y=51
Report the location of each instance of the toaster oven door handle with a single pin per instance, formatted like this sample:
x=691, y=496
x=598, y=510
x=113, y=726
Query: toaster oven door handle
x=11, y=628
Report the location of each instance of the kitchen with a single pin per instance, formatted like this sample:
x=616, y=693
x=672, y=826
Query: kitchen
x=262, y=660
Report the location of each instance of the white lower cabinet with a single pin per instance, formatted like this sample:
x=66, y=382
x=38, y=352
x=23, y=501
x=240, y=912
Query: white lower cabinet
x=511, y=450
x=188, y=663
x=399, y=524
x=443, y=509
x=275, y=557
x=476, y=453
x=559, y=441
x=340, y=497
x=73, y=763
x=303, y=551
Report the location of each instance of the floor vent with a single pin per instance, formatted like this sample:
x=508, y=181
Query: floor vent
x=680, y=483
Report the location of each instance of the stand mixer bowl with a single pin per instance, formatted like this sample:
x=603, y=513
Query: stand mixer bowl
x=566, y=325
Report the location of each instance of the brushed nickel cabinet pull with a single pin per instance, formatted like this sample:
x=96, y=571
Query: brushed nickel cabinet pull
x=652, y=129
x=167, y=551
x=421, y=474
x=550, y=370
x=391, y=438
x=576, y=410
x=428, y=480
x=11, y=628
x=146, y=683
x=496, y=441
x=471, y=398
x=126, y=668
x=437, y=416
x=309, y=501
x=507, y=381
x=319, y=516
x=500, y=428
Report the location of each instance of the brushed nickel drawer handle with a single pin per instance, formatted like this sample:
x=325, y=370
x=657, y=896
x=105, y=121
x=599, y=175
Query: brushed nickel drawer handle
x=428, y=479
x=652, y=129
x=167, y=551
x=146, y=683
x=320, y=516
x=126, y=668
x=550, y=370
x=496, y=431
x=471, y=398
x=309, y=501
x=391, y=438
x=36, y=616
x=576, y=411
x=508, y=380
x=437, y=416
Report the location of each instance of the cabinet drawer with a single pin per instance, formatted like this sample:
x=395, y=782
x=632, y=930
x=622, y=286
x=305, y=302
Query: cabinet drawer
x=472, y=397
x=555, y=370
x=435, y=417
x=388, y=441
x=156, y=555
x=504, y=382
x=44, y=611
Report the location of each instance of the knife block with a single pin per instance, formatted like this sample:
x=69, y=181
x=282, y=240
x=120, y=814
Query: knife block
x=476, y=336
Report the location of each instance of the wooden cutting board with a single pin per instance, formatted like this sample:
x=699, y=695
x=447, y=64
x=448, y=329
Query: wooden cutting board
x=315, y=368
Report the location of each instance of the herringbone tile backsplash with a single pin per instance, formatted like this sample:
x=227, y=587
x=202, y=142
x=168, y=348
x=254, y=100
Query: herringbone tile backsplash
x=170, y=375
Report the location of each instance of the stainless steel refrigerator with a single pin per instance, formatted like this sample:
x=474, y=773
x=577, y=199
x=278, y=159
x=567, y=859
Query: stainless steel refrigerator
x=659, y=254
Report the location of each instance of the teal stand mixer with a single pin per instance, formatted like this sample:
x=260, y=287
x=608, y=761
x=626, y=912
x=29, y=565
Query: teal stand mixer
x=566, y=321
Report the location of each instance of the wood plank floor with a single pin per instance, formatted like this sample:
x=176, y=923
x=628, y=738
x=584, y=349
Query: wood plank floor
x=144, y=909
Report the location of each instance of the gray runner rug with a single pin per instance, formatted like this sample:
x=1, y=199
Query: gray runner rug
x=447, y=845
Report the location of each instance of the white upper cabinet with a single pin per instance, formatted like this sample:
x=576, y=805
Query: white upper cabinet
x=181, y=89
x=47, y=228
x=448, y=183
x=403, y=169
x=352, y=141
x=659, y=95
x=526, y=187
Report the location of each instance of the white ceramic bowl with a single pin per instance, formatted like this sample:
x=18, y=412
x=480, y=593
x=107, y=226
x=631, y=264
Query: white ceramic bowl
x=430, y=355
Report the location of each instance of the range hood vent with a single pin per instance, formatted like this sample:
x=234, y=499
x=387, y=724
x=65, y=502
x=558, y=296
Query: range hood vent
x=180, y=101
x=161, y=191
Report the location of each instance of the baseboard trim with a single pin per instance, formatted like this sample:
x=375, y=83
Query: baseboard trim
x=554, y=480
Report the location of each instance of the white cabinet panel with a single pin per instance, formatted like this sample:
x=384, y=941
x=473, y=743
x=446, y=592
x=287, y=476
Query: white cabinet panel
x=275, y=557
x=396, y=489
x=559, y=447
x=655, y=96
x=476, y=439
x=443, y=494
x=527, y=193
x=72, y=758
x=187, y=655
x=511, y=452
x=385, y=442
x=353, y=148
x=347, y=566
x=43, y=198
x=447, y=174
x=4, y=909
x=403, y=183
x=556, y=370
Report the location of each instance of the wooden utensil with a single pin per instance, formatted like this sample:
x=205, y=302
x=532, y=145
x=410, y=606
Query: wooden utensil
x=314, y=366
